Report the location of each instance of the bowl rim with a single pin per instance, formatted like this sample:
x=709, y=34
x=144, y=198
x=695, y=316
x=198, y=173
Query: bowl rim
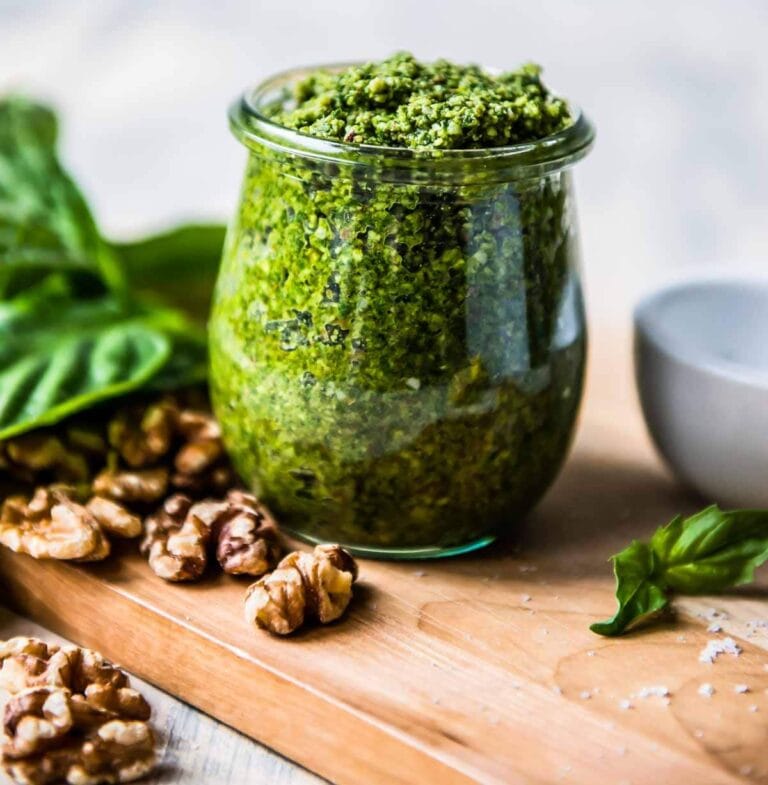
x=647, y=325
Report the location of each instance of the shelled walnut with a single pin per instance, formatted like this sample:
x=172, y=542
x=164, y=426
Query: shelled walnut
x=178, y=537
x=305, y=586
x=174, y=546
x=52, y=525
x=72, y=717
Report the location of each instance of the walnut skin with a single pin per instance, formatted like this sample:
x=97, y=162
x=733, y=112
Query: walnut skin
x=72, y=717
x=305, y=586
x=51, y=525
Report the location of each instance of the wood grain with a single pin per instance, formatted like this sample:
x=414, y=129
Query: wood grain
x=192, y=747
x=479, y=669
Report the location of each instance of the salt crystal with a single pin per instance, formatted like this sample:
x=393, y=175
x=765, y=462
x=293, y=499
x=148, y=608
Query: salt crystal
x=715, y=648
x=699, y=734
x=706, y=690
x=715, y=627
x=525, y=597
x=591, y=653
x=659, y=691
x=741, y=688
x=625, y=704
x=585, y=695
x=753, y=708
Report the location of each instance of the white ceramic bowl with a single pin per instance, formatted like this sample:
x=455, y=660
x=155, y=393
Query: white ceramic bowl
x=701, y=363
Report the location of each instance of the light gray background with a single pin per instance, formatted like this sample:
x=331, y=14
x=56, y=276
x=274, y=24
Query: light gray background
x=677, y=88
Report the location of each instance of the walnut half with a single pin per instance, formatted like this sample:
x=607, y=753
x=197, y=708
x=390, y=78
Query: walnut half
x=51, y=525
x=305, y=586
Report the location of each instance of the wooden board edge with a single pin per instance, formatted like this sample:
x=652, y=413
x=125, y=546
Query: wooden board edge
x=82, y=605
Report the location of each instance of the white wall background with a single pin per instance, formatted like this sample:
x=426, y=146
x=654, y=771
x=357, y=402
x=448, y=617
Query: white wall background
x=678, y=90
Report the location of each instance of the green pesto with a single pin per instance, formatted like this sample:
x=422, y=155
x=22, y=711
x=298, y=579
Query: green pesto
x=401, y=102
x=398, y=364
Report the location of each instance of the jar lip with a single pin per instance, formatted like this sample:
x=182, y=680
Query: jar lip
x=251, y=125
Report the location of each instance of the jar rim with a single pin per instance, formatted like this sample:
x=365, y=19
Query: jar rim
x=254, y=128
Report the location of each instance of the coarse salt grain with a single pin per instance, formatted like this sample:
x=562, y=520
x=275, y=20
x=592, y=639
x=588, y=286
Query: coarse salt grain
x=585, y=695
x=659, y=691
x=706, y=690
x=715, y=627
x=741, y=688
x=625, y=704
x=715, y=648
x=525, y=597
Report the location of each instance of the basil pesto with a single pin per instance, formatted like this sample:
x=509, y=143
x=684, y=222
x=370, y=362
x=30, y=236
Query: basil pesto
x=397, y=347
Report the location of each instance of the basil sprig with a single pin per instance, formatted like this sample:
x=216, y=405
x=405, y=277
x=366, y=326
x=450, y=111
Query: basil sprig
x=83, y=320
x=702, y=554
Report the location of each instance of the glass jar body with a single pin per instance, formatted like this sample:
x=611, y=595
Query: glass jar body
x=397, y=364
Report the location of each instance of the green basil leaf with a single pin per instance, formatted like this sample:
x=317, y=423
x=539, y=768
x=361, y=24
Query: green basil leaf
x=712, y=550
x=639, y=595
x=45, y=224
x=60, y=353
x=704, y=553
x=179, y=266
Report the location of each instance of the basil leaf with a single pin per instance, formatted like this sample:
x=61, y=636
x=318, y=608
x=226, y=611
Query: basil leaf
x=639, y=595
x=712, y=550
x=178, y=266
x=704, y=553
x=45, y=224
x=60, y=353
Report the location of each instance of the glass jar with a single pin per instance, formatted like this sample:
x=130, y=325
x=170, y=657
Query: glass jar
x=398, y=337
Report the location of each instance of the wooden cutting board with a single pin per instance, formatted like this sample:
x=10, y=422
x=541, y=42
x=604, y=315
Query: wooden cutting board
x=478, y=669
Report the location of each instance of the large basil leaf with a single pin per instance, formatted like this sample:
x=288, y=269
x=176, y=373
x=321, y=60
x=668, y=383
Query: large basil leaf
x=178, y=266
x=45, y=224
x=704, y=553
x=60, y=354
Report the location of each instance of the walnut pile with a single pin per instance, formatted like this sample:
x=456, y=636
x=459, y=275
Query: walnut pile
x=304, y=587
x=116, y=473
x=72, y=717
x=179, y=536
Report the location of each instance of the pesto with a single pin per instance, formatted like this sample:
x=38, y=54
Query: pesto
x=397, y=361
x=401, y=102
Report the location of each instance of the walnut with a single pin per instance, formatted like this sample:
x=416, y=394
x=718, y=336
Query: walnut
x=305, y=586
x=201, y=464
x=35, y=720
x=51, y=525
x=140, y=486
x=247, y=540
x=117, y=751
x=114, y=518
x=142, y=435
x=175, y=542
x=72, y=716
x=28, y=662
x=39, y=452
